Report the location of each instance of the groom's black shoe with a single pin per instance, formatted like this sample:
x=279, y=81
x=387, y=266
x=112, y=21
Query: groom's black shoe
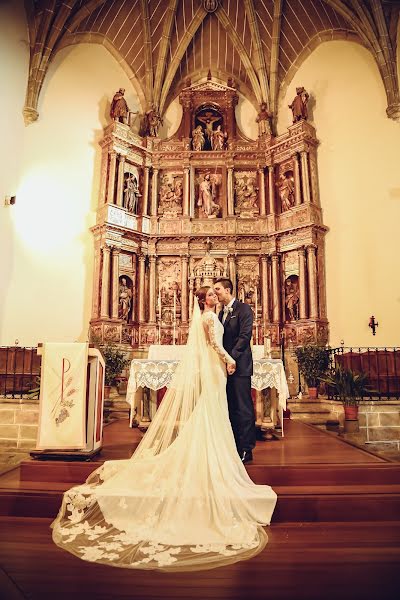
x=246, y=456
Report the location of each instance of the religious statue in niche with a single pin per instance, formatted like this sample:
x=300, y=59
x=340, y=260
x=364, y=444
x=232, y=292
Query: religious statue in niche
x=119, y=109
x=208, y=121
x=208, y=194
x=153, y=121
x=248, y=281
x=263, y=120
x=131, y=193
x=292, y=298
x=245, y=194
x=286, y=190
x=299, y=105
x=171, y=195
x=198, y=139
x=124, y=298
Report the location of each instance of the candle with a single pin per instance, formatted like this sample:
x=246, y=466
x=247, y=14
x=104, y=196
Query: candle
x=268, y=347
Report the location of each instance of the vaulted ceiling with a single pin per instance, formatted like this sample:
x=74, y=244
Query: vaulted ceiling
x=260, y=43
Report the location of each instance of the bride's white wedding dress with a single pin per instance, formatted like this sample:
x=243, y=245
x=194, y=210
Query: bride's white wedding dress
x=184, y=500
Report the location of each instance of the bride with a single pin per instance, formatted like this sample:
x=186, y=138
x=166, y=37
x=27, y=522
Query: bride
x=184, y=500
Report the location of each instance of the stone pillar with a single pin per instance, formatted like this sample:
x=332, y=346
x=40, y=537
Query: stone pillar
x=264, y=288
x=191, y=192
x=231, y=204
x=103, y=176
x=296, y=173
x=120, y=184
x=142, y=287
x=152, y=289
x=96, y=282
x=276, y=291
x=105, y=284
x=312, y=281
x=154, y=193
x=305, y=180
x=115, y=282
x=184, y=288
x=261, y=186
x=302, y=282
x=145, y=197
x=232, y=271
x=314, y=178
x=112, y=168
x=186, y=191
x=271, y=190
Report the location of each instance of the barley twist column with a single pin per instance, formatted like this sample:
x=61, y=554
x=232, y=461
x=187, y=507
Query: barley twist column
x=154, y=193
x=305, y=180
x=120, y=184
x=312, y=280
x=276, y=292
x=112, y=168
x=152, y=289
x=231, y=207
x=302, y=282
x=264, y=288
x=232, y=271
x=142, y=287
x=261, y=185
x=105, y=284
x=115, y=282
x=297, y=188
x=184, y=288
x=186, y=191
x=271, y=190
x=145, y=198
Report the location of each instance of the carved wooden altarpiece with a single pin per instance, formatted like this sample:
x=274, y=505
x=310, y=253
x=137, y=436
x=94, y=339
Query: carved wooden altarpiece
x=209, y=202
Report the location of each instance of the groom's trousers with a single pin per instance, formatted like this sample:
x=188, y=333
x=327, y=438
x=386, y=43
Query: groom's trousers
x=241, y=412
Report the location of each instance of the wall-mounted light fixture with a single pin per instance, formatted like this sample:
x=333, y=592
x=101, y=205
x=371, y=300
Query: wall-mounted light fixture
x=373, y=324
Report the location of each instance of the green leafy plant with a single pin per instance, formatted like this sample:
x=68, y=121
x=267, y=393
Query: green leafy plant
x=313, y=363
x=349, y=385
x=115, y=361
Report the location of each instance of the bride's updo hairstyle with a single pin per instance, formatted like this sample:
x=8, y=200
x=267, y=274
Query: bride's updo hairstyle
x=201, y=296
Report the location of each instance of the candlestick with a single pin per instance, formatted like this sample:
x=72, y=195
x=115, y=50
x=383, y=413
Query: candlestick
x=268, y=348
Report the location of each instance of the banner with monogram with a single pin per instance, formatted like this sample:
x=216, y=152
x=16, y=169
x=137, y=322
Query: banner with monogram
x=62, y=410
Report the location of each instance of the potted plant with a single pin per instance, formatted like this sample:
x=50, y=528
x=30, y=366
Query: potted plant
x=313, y=362
x=115, y=361
x=350, y=387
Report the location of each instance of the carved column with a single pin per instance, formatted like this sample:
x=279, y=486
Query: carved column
x=231, y=208
x=261, y=185
x=120, y=184
x=314, y=178
x=312, y=280
x=142, y=287
x=154, y=193
x=264, y=288
x=184, y=288
x=186, y=191
x=104, y=170
x=152, y=289
x=145, y=198
x=112, y=167
x=96, y=282
x=115, y=282
x=105, y=284
x=302, y=282
x=191, y=193
x=271, y=190
x=232, y=271
x=296, y=173
x=191, y=297
x=305, y=180
x=276, y=292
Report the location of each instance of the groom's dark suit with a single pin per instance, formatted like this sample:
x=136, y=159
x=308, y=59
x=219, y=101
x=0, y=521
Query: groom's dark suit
x=238, y=330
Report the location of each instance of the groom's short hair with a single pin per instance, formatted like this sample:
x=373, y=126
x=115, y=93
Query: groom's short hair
x=226, y=283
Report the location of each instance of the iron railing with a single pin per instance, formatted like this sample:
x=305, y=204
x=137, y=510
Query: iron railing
x=19, y=371
x=381, y=365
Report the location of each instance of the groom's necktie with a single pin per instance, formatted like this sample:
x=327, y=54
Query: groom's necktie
x=226, y=310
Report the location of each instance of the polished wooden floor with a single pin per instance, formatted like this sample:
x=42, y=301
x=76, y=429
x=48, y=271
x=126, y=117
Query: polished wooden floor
x=335, y=533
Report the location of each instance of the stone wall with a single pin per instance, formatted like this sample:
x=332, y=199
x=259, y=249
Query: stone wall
x=18, y=423
x=380, y=424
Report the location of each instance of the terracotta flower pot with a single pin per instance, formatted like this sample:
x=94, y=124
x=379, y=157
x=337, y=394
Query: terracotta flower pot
x=351, y=413
x=313, y=393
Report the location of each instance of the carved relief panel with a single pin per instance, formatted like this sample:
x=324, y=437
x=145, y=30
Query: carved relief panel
x=246, y=193
x=169, y=289
x=248, y=280
x=170, y=194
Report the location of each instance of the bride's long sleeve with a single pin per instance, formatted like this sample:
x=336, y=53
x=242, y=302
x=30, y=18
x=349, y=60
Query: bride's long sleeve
x=209, y=326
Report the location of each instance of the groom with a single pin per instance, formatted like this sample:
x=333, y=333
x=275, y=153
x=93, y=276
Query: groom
x=237, y=319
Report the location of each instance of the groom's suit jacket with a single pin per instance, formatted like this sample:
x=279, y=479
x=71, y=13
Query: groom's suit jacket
x=238, y=331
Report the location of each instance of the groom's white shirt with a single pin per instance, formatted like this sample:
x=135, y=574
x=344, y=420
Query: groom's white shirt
x=226, y=309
